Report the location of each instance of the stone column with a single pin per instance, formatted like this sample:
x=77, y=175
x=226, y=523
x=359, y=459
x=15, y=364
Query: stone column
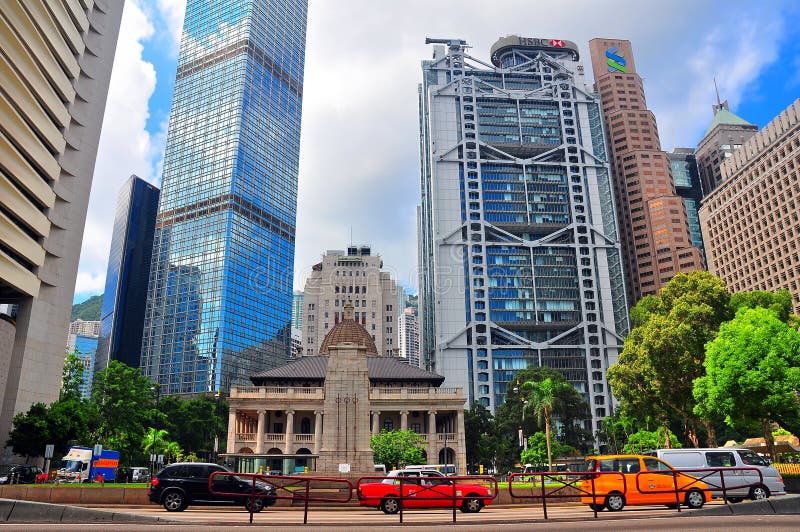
x=289, y=432
x=376, y=422
x=317, y=431
x=461, y=449
x=403, y=419
x=433, y=455
x=260, y=433
x=231, y=448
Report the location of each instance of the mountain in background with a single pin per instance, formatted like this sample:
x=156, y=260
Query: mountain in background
x=89, y=310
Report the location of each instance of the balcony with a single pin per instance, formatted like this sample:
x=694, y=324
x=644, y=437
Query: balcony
x=276, y=392
x=274, y=438
x=416, y=393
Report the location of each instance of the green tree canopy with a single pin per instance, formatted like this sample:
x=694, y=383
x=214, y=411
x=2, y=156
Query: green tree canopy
x=479, y=435
x=397, y=448
x=779, y=302
x=644, y=440
x=753, y=372
x=536, y=453
x=665, y=351
x=71, y=376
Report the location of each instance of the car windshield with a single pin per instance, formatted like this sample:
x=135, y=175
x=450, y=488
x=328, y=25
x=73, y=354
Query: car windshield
x=751, y=458
x=72, y=466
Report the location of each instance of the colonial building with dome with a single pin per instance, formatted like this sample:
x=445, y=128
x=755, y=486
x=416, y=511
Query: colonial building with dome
x=319, y=412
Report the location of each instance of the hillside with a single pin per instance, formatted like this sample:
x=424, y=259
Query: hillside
x=89, y=310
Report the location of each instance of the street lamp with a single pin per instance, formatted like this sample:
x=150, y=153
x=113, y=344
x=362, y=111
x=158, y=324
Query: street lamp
x=157, y=389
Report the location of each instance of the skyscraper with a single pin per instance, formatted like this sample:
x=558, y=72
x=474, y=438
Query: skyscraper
x=726, y=134
x=56, y=67
x=520, y=262
x=354, y=275
x=297, y=309
x=220, y=291
x=751, y=221
x=408, y=336
x=122, y=313
x=654, y=227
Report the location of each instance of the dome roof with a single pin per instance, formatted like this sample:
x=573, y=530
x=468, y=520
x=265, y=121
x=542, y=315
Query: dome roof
x=348, y=331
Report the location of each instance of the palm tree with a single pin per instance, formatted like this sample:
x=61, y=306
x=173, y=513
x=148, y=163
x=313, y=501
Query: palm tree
x=154, y=440
x=542, y=397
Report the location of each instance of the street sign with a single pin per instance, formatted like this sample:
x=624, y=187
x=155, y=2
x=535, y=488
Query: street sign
x=160, y=458
x=152, y=458
x=344, y=468
x=48, y=450
x=98, y=450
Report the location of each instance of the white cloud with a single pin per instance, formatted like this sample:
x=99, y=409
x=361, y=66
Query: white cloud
x=125, y=146
x=172, y=12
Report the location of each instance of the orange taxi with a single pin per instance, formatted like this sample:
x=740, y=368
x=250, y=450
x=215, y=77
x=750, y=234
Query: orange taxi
x=628, y=479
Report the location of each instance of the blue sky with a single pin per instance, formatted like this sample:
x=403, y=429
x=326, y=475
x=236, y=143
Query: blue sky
x=359, y=161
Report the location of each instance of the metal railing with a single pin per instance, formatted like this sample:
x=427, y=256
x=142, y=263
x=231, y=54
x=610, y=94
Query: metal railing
x=453, y=492
x=286, y=487
x=561, y=486
x=705, y=479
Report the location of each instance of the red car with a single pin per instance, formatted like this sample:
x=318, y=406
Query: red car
x=422, y=489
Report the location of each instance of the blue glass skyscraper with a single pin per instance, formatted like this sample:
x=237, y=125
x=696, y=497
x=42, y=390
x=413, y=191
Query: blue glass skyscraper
x=122, y=313
x=220, y=292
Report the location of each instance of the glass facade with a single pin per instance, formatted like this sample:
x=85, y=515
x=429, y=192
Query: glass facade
x=686, y=176
x=85, y=348
x=220, y=291
x=122, y=313
x=517, y=224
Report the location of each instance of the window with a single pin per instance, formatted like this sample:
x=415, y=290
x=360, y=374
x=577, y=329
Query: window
x=653, y=464
x=388, y=424
x=720, y=459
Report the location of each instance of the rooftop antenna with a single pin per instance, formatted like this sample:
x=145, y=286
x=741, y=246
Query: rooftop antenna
x=716, y=89
x=351, y=235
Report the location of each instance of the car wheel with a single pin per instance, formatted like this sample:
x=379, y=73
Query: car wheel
x=390, y=505
x=695, y=499
x=735, y=499
x=615, y=501
x=174, y=501
x=597, y=507
x=758, y=492
x=471, y=505
x=258, y=504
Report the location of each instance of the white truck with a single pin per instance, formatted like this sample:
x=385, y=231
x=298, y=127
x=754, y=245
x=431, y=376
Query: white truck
x=82, y=465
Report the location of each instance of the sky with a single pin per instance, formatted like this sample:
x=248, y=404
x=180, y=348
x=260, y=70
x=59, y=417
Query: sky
x=359, y=150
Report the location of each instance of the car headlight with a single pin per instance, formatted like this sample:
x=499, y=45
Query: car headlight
x=4, y=479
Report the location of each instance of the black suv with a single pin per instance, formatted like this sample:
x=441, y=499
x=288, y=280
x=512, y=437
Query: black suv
x=19, y=473
x=179, y=485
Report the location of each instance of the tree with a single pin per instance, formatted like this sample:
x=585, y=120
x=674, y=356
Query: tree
x=31, y=431
x=71, y=376
x=542, y=399
x=537, y=452
x=643, y=440
x=753, y=373
x=154, y=441
x=779, y=302
x=397, y=448
x=665, y=351
x=125, y=406
x=479, y=436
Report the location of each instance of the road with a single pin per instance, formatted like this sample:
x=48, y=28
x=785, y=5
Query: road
x=570, y=517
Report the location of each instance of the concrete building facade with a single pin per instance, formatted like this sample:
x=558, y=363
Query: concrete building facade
x=320, y=411
x=56, y=66
x=751, y=220
x=654, y=226
x=86, y=328
x=726, y=134
x=352, y=276
x=408, y=332
x=519, y=254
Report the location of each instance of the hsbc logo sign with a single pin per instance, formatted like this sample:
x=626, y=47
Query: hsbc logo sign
x=528, y=41
x=558, y=43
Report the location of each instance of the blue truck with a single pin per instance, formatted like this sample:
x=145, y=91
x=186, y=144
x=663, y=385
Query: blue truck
x=82, y=465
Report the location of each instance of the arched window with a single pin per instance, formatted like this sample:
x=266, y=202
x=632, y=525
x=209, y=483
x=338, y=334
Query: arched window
x=388, y=424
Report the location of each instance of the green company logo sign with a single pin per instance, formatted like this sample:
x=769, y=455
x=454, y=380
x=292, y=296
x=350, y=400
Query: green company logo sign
x=616, y=62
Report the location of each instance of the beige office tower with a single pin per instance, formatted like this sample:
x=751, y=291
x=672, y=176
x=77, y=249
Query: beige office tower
x=751, y=221
x=654, y=226
x=354, y=275
x=55, y=62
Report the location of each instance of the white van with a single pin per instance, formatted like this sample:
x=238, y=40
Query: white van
x=738, y=484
